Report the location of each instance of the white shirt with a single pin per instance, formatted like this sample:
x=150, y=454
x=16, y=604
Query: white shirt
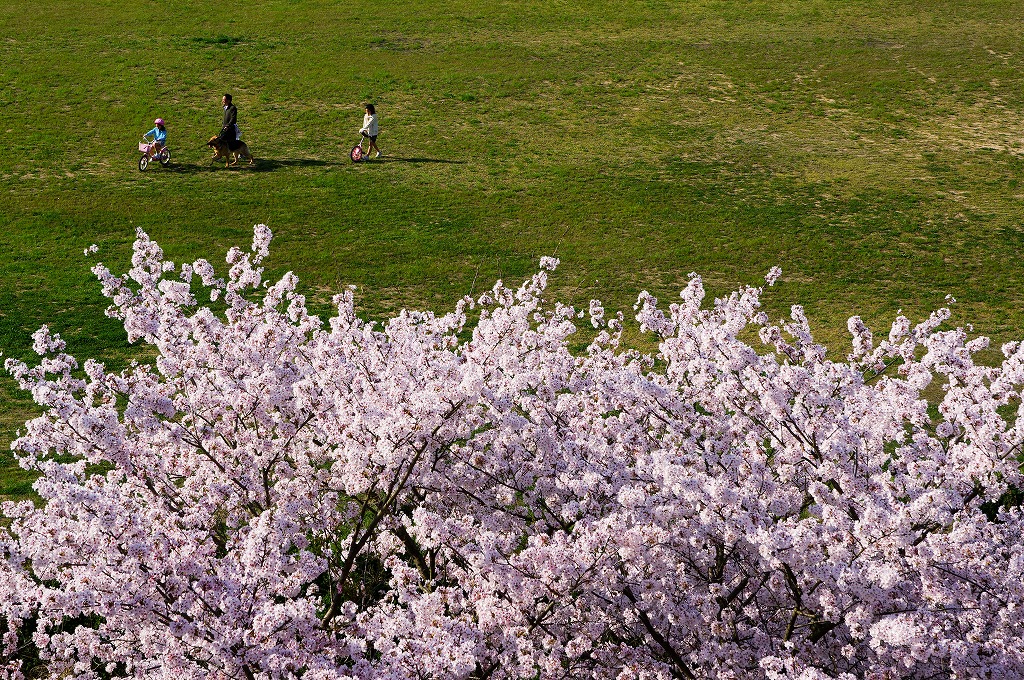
x=370, y=124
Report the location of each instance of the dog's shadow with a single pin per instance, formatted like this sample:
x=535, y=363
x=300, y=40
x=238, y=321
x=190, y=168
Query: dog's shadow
x=415, y=159
x=271, y=164
x=259, y=165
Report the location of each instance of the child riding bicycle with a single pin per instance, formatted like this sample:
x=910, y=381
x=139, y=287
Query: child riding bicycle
x=159, y=134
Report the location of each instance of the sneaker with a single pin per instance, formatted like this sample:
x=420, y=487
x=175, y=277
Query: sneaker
x=377, y=155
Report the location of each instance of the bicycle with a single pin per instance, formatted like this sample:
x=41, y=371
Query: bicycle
x=151, y=153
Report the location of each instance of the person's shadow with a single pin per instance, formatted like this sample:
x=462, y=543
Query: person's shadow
x=413, y=159
x=272, y=164
x=259, y=165
x=179, y=168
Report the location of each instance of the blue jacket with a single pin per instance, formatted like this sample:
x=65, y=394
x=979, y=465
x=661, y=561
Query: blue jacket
x=158, y=134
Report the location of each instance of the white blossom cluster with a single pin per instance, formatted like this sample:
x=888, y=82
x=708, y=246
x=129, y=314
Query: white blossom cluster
x=464, y=496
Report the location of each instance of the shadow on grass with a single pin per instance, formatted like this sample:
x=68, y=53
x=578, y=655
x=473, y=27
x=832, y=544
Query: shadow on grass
x=404, y=159
x=272, y=164
x=186, y=168
x=260, y=165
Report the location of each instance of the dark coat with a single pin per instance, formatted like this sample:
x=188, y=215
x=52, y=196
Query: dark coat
x=230, y=116
x=227, y=131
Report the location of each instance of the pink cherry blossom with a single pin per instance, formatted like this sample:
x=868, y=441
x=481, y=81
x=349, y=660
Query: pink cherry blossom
x=465, y=496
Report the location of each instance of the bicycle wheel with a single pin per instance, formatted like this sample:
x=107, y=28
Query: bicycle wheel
x=165, y=156
x=356, y=154
x=143, y=162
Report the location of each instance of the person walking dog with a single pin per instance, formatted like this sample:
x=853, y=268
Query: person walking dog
x=229, y=132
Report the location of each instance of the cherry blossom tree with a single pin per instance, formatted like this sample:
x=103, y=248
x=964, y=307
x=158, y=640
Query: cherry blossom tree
x=465, y=496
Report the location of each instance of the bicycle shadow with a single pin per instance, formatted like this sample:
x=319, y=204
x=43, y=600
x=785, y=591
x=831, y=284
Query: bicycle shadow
x=187, y=168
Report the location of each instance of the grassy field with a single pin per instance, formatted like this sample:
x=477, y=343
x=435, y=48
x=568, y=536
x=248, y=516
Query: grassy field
x=871, y=149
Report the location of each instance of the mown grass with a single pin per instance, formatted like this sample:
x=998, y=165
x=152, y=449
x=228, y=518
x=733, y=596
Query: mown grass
x=871, y=149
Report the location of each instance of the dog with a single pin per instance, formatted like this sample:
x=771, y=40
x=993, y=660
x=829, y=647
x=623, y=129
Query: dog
x=230, y=156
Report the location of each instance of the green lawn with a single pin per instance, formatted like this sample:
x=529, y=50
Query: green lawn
x=871, y=149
